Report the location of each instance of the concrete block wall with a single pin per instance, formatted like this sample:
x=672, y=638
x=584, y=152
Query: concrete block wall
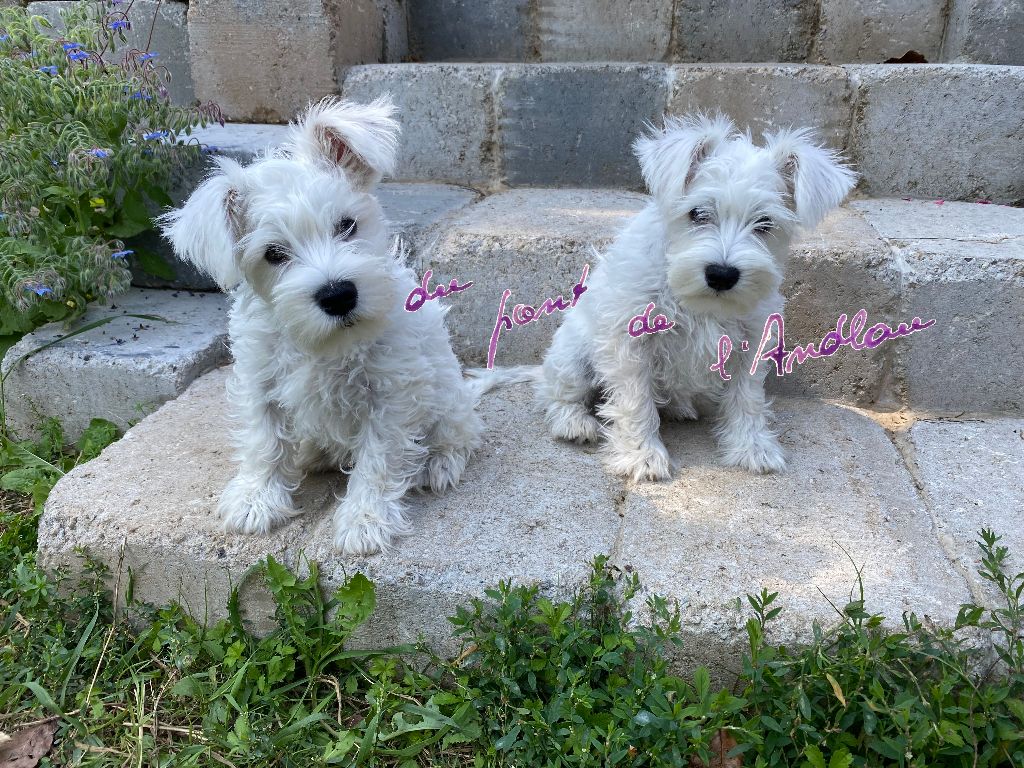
x=949, y=131
x=818, y=31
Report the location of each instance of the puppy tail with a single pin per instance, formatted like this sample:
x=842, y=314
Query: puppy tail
x=483, y=380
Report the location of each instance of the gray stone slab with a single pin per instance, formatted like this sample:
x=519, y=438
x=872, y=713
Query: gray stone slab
x=871, y=31
x=939, y=130
x=973, y=477
x=603, y=30
x=263, y=62
x=846, y=501
x=447, y=117
x=767, y=97
x=985, y=32
x=165, y=20
x=962, y=265
x=156, y=491
x=743, y=30
x=470, y=30
x=533, y=242
x=240, y=141
x=574, y=124
x=119, y=371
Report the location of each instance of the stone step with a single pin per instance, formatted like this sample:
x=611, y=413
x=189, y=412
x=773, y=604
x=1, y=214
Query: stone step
x=536, y=511
x=961, y=264
x=207, y=47
x=949, y=131
x=119, y=371
x=829, y=31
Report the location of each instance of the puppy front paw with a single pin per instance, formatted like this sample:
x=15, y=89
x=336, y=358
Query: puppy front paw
x=368, y=526
x=762, y=455
x=444, y=470
x=250, y=505
x=648, y=462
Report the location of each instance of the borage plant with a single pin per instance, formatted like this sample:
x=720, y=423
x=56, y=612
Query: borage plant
x=88, y=141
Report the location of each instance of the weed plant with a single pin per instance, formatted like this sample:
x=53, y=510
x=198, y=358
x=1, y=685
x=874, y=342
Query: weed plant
x=88, y=143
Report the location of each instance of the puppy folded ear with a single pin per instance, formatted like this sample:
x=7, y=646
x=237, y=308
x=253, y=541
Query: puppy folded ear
x=360, y=139
x=205, y=229
x=670, y=157
x=817, y=177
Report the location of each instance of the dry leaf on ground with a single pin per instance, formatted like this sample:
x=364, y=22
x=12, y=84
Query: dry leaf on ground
x=721, y=744
x=25, y=748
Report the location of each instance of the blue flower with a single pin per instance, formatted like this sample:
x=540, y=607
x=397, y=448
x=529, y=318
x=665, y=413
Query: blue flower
x=100, y=153
x=140, y=95
x=148, y=56
x=51, y=70
x=156, y=135
x=121, y=254
x=78, y=56
x=120, y=24
x=71, y=46
x=39, y=289
x=4, y=38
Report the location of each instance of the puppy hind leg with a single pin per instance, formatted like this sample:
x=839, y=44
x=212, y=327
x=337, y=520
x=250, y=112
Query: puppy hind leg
x=452, y=441
x=566, y=386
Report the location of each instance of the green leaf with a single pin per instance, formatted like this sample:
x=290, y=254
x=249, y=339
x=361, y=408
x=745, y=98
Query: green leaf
x=152, y=263
x=841, y=759
x=98, y=435
x=814, y=757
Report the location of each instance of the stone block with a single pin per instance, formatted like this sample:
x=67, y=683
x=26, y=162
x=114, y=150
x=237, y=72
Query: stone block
x=394, y=14
x=949, y=131
x=743, y=30
x=166, y=21
x=447, y=115
x=985, y=32
x=970, y=472
x=532, y=511
x=119, y=371
x=533, y=242
x=574, y=124
x=871, y=31
x=962, y=264
x=470, y=30
x=603, y=30
x=157, y=489
x=841, y=267
x=846, y=501
x=767, y=97
x=263, y=62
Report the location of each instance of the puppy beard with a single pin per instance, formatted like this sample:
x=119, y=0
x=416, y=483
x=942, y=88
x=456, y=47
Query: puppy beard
x=313, y=330
x=760, y=275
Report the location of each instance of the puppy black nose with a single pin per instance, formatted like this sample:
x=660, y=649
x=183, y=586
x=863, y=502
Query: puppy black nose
x=721, y=277
x=338, y=298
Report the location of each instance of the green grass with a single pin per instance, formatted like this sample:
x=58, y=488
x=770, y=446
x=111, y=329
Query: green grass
x=583, y=682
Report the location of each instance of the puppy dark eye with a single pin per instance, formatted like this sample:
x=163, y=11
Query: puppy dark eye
x=346, y=229
x=763, y=225
x=277, y=255
x=700, y=216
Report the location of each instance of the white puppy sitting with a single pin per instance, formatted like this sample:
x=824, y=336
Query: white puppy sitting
x=330, y=371
x=709, y=251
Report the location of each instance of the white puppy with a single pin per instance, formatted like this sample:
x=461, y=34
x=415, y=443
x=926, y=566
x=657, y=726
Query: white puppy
x=709, y=251
x=331, y=370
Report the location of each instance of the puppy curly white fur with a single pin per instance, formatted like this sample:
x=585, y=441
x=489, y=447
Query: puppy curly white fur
x=709, y=250
x=330, y=370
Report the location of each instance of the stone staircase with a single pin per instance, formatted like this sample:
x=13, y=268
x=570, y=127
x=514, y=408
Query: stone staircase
x=517, y=120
